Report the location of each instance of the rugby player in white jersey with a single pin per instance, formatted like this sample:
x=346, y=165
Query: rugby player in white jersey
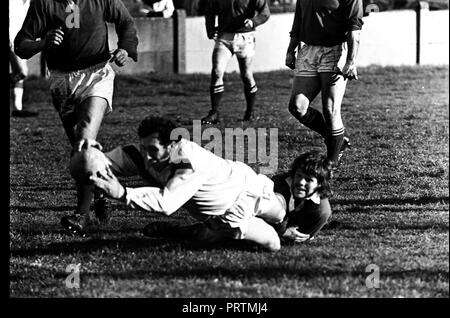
x=228, y=197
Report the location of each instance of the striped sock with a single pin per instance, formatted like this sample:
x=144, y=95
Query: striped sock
x=216, y=93
x=250, y=96
x=334, y=144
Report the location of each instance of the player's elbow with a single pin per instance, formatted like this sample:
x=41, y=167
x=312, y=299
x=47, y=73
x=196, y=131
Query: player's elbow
x=169, y=209
x=23, y=54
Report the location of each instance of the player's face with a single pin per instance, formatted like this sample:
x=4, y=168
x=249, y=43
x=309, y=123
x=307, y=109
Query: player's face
x=153, y=149
x=303, y=185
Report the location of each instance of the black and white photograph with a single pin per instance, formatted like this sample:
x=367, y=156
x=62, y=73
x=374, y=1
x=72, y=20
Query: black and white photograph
x=226, y=153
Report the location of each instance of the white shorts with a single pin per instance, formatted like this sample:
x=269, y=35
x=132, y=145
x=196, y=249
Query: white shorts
x=241, y=44
x=313, y=59
x=256, y=195
x=70, y=89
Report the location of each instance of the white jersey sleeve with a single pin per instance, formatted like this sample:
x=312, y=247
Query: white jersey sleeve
x=182, y=186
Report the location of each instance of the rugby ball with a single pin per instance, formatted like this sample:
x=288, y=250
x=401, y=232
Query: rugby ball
x=87, y=162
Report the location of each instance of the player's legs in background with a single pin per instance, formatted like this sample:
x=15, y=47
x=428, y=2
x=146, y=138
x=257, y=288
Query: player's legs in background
x=250, y=88
x=89, y=118
x=333, y=89
x=304, y=90
x=19, y=71
x=220, y=57
x=83, y=123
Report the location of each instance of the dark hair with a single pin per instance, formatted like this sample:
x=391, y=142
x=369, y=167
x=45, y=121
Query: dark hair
x=163, y=126
x=315, y=164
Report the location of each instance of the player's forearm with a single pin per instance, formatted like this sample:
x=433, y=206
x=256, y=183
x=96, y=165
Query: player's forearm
x=353, y=39
x=26, y=48
x=151, y=199
x=210, y=24
x=126, y=33
x=293, y=44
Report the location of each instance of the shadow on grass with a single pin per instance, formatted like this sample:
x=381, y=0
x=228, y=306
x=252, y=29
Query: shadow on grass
x=46, y=208
x=130, y=243
x=200, y=270
x=393, y=201
x=338, y=225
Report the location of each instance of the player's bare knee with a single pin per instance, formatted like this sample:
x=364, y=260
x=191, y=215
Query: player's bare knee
x=298, y=105
x=273, y=245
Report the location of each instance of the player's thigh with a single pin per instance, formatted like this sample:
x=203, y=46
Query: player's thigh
x=245, y=67
x=333, y=90
x=263, y=234
x=90, y=116
x=220, y=58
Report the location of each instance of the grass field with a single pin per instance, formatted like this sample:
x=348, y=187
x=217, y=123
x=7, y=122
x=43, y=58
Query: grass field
x=390, y=203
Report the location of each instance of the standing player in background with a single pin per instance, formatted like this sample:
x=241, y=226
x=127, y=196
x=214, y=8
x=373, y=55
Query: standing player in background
x=234, y=34
x=18, y=67
x=330, y=32
x=74, y=37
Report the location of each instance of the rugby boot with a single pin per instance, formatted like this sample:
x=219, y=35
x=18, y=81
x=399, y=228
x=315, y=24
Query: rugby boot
x=345, y=145
x=249, y=115
x=211, y=118
x=75, y=224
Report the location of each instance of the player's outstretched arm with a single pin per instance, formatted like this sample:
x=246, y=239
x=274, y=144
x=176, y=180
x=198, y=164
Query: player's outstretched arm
x=108, y=184
x=292, y=234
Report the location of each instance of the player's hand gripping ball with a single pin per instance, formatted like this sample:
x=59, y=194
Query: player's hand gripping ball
x=89, y=161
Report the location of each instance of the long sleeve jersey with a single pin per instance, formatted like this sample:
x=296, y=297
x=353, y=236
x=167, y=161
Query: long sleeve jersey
x=85, y=40
x=195, y=179
x=232, y=14
x=326, y=22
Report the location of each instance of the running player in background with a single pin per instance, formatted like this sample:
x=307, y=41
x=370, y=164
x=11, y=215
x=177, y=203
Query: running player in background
x=74, y=37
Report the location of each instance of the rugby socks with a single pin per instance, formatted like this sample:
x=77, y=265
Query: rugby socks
x=216, y=93
x=334, y=143
x=250, y=96
x=313, y=119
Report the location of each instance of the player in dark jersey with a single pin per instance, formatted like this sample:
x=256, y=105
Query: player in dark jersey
x=305, y=189
x=234, y=35
x=74, y=37
x=326, y=36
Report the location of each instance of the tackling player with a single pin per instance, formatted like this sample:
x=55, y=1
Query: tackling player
x=231, y=200
x=235, y=34
x=74, y=37
x=326, y=36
